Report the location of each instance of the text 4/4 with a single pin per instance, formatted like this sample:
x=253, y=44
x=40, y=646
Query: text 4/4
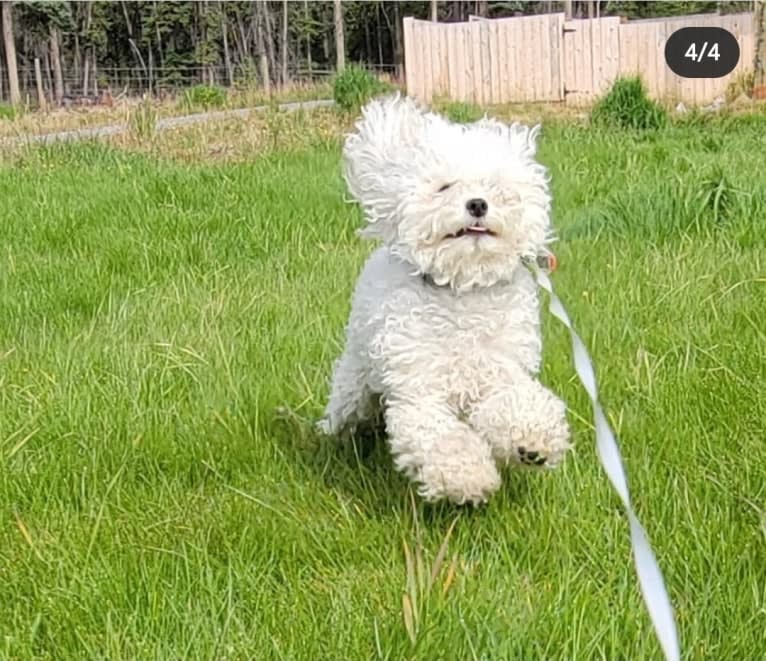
x=711, y=51
x=702, y=52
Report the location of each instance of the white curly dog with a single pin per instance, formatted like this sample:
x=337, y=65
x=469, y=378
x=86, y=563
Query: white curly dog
x=444, y=330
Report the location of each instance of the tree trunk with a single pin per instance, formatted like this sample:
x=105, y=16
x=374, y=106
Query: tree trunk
x=58, y=76
x=284, y=42
x=211, y=52
x=76, y=61
x=226, y=55
x=269, y=22
x=48, y=74
x=398, y=42
x=76, y=56
x=10, y=54
x=238, y=42
x=85, y=75
x=244, y=43
x=198, y=73
x=326, y=38
x=308, y=35
x=367, y=41
x=260, y=47
x=39, y=84
x=759, y=66
x=94, y=74
x=86, y=66
x=128, y=24
x=158, y=39
x=340, y=38
x=434, y=10
x=201, y=46
x=380, y=34
x=150, y=73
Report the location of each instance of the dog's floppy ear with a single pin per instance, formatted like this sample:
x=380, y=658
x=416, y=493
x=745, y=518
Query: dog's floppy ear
x=378, y=155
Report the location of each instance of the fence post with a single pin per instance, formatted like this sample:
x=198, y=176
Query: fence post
x=410, y=70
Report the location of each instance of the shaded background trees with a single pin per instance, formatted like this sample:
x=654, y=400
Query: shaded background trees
x=83, y=48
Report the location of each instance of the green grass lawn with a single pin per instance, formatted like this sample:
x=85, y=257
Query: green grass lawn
x=166, y=336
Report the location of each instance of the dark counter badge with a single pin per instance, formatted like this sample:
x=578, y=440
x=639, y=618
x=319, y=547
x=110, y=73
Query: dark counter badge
x=701, y=52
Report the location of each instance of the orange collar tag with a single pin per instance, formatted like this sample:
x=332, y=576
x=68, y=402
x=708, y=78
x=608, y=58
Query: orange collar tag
x=548, y=262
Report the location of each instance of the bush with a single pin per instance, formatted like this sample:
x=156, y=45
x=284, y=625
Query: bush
x=7, y=111
x=462, y=112
x=204, y=96
x=354, y=86
x=627, y=106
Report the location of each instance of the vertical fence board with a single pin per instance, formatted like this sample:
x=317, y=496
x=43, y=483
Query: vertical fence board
x=473, y=31
x=444, y=44
x=451, y=90
x=429, y=59
x=486, y=62
x=495, y=57
x=436, y=59
x=411, y=72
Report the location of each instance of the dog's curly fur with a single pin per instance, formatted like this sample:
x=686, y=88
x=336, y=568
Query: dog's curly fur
x=444, y=329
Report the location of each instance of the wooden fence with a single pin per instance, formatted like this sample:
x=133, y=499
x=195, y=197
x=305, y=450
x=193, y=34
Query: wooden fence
x=546, y=58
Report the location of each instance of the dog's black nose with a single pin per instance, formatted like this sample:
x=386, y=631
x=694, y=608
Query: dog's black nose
x=477, y=207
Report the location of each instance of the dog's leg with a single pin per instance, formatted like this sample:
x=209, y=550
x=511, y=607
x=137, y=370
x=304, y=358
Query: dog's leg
x=523, y=422
x=442, y=454
x=350, y=397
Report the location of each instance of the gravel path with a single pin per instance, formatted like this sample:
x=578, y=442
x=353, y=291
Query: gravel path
x=162, y=124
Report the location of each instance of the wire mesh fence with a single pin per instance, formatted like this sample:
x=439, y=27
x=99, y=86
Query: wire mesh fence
x=157, y=81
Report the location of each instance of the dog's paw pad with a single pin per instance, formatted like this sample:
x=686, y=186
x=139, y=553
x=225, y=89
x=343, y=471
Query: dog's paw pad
x=531, y=457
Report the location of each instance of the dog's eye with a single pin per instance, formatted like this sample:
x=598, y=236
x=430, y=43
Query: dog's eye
x=444, y=187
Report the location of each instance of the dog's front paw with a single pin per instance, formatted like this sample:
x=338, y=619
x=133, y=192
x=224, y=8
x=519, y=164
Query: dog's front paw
x=324, y=427
x=541, y=447
x=472, y=484
x=453, y=464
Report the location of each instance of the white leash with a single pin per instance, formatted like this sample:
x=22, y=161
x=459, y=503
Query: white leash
x=649, y=575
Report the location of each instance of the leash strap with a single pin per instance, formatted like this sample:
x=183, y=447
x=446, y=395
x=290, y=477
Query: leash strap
x=649, y=575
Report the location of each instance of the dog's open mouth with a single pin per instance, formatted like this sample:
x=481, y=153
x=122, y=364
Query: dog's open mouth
x=473, y=230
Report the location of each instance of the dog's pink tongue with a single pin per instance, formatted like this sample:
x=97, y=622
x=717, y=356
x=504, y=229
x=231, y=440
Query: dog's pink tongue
x=476, y=228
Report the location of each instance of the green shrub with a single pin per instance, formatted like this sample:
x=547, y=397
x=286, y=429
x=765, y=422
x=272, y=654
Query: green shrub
x=204, y=96
x=627, y=106
x=7, y=111
x=462, y=112
x=354, y=86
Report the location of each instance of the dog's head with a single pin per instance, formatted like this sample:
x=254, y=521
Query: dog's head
x=461, y=203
